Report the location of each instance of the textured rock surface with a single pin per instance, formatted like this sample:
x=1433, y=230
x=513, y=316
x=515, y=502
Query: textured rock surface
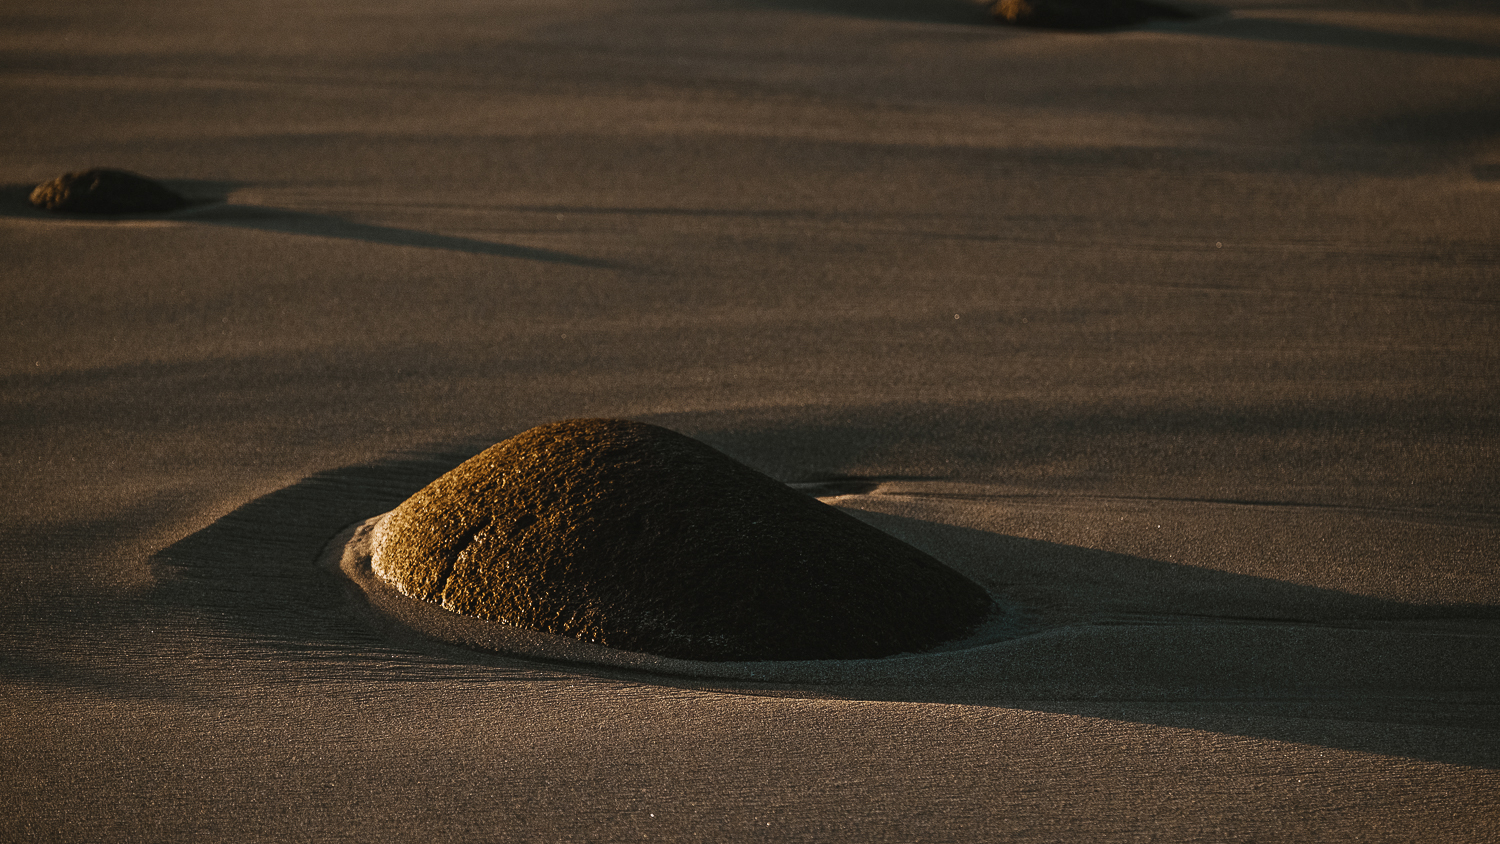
x=105, y=192
x=639, y=538
x=1083, y=14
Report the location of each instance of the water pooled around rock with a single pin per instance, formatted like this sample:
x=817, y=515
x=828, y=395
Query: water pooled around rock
x=632, y=536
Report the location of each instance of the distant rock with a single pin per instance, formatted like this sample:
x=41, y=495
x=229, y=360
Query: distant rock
x=1083, y=14
x=105, y=192
x=635, y=537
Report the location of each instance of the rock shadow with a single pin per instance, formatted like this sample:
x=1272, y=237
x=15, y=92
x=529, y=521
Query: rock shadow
x=1333, y=35
x=915, y=11
x=1076, y=15
x=1118, y=636
x=207, y=205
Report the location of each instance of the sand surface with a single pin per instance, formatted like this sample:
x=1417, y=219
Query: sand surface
x=1180, y=340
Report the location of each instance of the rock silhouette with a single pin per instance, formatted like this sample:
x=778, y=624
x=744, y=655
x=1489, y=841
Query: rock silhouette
x=103, y=191
x=635, y=537
x=1083, y=14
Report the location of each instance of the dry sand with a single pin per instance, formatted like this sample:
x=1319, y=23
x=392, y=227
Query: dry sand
x=1181, y=340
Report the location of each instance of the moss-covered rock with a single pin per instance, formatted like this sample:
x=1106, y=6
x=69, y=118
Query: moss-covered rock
x=102, y=191
x=633, y=536
x=1083, y=14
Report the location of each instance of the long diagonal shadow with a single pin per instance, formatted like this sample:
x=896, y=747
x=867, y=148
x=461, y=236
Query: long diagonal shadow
x=1333, y=35
x=1177, y=645
x=323, y=225
x=204, y=211
x=1207, y=19
x=1150, y=641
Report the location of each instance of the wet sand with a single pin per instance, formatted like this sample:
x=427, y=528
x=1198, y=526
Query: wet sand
x=1178, y=340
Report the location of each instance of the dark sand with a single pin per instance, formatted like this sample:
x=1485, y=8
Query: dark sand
x=1183, y=338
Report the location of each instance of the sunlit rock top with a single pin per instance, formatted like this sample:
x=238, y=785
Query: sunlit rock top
x=632, y=536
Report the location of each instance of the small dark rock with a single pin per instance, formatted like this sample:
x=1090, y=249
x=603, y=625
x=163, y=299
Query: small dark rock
x=102, y=191
x=1083, y=14
x=639, y=538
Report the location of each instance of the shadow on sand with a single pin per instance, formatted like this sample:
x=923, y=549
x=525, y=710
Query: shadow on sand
x=1318, y=34
x=1202, y=19
x=916, y=11
x=1122, y=637
x=208, y=208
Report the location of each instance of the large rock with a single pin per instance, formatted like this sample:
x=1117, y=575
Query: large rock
x=1083, y=14
x=639, y=538
x=105, y=192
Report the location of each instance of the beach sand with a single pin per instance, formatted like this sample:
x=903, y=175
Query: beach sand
x=1179, y=340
